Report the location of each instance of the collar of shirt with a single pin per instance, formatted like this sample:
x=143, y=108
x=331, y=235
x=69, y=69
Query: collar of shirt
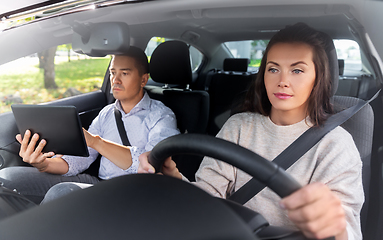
x=141, y=105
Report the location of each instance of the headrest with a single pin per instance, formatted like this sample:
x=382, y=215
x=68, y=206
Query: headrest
x=170, y=63
x=236, y=64
x=332, y=59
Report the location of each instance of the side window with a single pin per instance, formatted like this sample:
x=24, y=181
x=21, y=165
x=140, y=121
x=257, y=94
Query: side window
x=252, y=49
x=196, y=56
x=53, y=74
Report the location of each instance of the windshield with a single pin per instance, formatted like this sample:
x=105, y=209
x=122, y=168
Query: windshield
x=20, y=14
x=14, y=7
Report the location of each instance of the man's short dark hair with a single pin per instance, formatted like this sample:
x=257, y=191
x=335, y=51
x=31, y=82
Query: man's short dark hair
x=140, y=57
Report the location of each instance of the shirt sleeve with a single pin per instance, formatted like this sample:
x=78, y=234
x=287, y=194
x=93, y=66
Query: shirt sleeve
x=79, y=164
x=163, y=127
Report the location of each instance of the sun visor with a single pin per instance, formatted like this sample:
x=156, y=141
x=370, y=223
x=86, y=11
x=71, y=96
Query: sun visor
x=100, y=39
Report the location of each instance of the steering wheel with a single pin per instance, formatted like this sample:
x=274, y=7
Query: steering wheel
x=258, y=167
x=263, y=170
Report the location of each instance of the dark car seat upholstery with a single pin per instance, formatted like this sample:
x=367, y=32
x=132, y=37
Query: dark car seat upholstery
x=360, y=126
x=226, y=89
x=170, y=64
x=236, y=64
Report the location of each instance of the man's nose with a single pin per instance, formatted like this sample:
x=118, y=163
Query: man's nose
x=116, y=78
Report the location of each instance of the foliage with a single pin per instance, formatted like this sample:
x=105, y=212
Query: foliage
x=158, y=39
x=64, y=47
x=85, y=75
x=14, y=23
x=255, y=62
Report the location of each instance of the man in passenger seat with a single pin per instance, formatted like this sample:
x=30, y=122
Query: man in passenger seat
x=146, y=121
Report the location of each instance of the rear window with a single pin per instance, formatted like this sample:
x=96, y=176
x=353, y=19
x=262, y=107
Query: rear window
x=349, y=53
x=252, y=50
x=196, y=56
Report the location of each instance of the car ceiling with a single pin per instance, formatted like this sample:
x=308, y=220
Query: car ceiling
x=204, y=24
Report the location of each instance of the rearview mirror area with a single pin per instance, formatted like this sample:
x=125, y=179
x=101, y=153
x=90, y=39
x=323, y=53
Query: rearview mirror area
x=100, y=39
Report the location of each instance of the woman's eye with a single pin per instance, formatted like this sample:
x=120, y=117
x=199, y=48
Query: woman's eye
x=297, y=71
x=272, y=70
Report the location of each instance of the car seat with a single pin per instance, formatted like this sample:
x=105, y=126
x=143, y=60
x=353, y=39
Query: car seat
x=226, y=88
x=170, y=65
x=360, y=126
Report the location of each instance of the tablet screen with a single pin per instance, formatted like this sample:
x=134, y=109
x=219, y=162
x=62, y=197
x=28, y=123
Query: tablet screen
x=60, y=126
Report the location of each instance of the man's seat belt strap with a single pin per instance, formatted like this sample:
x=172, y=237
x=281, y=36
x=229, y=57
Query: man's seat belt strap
x=121, y=128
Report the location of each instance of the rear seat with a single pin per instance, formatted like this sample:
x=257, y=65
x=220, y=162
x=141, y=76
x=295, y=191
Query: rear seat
x=226, y=89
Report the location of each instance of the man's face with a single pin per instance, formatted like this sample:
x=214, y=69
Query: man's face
x=126, y=82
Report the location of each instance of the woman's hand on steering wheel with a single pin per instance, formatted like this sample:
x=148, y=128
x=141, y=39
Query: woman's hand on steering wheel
x=316, y=211
x=169, y=167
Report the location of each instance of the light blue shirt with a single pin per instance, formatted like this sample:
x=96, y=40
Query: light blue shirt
x=148, y=123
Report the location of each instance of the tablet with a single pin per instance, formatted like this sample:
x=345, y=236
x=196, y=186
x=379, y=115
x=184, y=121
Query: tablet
x=60, y=126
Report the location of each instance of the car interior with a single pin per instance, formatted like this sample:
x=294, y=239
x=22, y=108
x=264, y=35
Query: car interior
x=202, y=98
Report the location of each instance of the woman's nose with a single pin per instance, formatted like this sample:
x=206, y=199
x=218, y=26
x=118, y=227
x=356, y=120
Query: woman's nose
x=283, y=80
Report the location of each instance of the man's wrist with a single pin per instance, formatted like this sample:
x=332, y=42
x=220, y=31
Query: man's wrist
x=95, y=141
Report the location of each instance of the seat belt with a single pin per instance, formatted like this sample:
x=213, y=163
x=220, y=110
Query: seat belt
x=121, y=128
x=209, y=75
x=123, y=136
x=298, y=148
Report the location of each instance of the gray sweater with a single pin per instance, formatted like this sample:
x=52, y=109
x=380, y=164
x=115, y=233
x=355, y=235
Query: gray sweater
x=334, y=161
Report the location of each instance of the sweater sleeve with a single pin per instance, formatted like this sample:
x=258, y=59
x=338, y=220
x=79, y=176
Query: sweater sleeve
x=217, y=177
x=340, y=168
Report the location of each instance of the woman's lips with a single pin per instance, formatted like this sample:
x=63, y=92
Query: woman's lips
x=282, y=95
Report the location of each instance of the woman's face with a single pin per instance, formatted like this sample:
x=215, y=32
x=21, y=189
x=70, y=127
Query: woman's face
x=289, y=79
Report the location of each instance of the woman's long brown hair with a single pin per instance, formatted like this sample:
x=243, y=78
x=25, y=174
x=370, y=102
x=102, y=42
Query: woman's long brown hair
x=319, y=106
